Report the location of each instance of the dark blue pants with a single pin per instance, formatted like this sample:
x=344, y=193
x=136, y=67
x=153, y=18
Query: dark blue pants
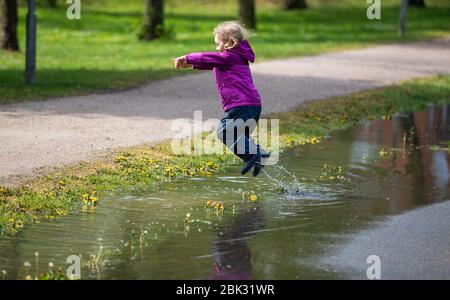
x=235, y=128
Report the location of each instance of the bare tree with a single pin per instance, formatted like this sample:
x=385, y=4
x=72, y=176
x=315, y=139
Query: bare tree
x=247, y=15
x=417, y=3
x=8, y=25
x=153, y=26
x=295, y=4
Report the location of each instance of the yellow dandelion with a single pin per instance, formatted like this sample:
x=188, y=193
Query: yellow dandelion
x=253, y=197
x=382, y=152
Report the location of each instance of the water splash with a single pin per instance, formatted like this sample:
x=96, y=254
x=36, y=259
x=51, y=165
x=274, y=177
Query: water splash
x=285, y=181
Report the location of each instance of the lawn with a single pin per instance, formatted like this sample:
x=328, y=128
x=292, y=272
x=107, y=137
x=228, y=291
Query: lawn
x=100, y=52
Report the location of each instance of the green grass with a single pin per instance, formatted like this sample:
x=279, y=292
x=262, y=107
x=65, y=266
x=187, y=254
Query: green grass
x=100, y=52
x=58, y=193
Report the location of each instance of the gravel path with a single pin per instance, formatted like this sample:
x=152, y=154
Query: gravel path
x=38, y=136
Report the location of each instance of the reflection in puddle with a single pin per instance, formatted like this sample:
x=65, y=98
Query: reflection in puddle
x=323, y=194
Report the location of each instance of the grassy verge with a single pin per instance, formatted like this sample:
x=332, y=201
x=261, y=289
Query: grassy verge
x=100, y=52
x=56, y=194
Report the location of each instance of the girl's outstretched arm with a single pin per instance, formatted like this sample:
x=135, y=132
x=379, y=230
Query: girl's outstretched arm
x=199, y=67
x=207, y=60
x=180, y=63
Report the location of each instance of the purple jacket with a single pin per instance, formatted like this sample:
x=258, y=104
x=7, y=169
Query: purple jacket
x=232, y=74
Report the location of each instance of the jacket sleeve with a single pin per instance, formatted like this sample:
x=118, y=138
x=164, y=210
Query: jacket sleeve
x=207, y=60
x=198, y=67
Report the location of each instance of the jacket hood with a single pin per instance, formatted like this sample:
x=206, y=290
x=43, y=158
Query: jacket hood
x=244, y=50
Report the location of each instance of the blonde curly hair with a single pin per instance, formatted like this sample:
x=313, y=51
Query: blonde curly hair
x=231, y=33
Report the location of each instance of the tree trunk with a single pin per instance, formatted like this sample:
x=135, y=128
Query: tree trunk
x=402, y=21
x=247, y=14
x=295, y=4
x=154, y=20
x=52, y=3
x=416, y=3
x=8, y=25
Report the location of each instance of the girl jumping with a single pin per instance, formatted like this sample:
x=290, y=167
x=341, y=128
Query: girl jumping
x=240, y=98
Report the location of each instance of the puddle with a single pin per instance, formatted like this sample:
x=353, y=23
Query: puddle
x=317, y=198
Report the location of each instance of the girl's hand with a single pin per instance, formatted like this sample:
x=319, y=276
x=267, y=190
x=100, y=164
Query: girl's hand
x=180, y=62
